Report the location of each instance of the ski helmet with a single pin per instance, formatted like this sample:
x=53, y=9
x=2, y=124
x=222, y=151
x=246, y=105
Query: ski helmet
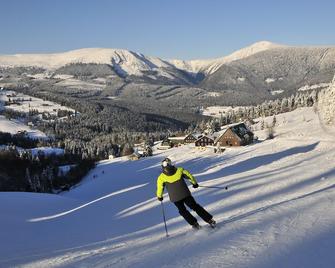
x=166, y=162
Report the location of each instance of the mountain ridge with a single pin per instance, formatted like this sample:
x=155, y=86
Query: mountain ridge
x=259, y=72
x=128, y=61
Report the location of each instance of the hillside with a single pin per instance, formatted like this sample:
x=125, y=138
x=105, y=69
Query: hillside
x=277, y=212
x=275, y=73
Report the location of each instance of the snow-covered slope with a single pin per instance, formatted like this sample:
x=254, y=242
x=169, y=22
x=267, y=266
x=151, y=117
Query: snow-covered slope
x=211, y=65
x=277, y=212
x=15, y=126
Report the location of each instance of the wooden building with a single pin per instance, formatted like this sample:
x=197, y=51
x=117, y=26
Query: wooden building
x=191, y=138
x=235, y=135
x=179, y=140
x=205, y=141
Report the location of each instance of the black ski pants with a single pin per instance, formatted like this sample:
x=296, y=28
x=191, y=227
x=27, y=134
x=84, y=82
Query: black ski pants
x=190, y=202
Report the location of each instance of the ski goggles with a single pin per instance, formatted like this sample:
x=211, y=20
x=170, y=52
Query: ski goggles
x=166, y=162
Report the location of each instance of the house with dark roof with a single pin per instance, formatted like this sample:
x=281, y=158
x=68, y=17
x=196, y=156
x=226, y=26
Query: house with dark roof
x=207, y=140
x=234, y=135
x=190, y=138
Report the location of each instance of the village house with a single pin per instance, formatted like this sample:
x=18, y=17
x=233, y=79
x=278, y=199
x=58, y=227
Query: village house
x=188, y=139
x=207, y=140
x=235, y=135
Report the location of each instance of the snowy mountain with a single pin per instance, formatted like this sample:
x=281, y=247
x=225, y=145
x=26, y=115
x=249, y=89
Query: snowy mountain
x=129, y=62
x=211, y=65
x=278, y=210
x=279, y=71
x=250, y=75
x=124, y=62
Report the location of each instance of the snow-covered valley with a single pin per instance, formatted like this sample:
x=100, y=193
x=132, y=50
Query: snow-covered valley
x=277, y=212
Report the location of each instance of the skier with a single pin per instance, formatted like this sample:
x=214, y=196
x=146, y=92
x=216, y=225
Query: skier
x=173, y=178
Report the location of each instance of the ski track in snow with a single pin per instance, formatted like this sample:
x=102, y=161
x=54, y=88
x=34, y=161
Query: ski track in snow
x=85, y=205
x=277, y=212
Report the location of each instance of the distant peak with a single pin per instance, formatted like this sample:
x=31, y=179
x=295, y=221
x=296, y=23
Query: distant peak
x=266, y=44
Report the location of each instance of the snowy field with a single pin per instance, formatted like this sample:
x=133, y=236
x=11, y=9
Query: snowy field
x=28, y=103
x=79, y=84
x=14, y=126
x=216, y=111
x=277, y=212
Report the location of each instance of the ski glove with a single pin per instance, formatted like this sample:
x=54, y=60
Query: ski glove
x=195, y=185
x=160, y=199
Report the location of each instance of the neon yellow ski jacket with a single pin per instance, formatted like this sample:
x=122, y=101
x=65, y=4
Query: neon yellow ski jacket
x=175, y=184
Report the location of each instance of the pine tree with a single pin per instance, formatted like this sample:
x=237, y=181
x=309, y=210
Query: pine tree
x=274, y=121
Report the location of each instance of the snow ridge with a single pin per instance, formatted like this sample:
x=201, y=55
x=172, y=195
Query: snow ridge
x=131, y=63
x=211, y=65
x=127, y=62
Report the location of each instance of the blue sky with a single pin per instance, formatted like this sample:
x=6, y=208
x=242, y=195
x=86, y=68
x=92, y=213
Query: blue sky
x=184, y=29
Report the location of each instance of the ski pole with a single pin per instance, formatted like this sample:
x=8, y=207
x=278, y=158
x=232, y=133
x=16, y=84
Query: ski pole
x=215, y=187
x=166, y=231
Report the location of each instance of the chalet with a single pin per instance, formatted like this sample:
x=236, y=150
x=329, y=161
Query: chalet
x=188, y=139
x=205, y=141
x=235, y=135
x=191, y=138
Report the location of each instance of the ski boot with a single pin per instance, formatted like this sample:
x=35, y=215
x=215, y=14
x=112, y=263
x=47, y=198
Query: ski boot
x=212, y=223
x=196, y=226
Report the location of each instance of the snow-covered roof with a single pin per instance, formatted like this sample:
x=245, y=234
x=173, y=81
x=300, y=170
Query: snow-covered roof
x=225, y=127
x=197, y=135
x=210, y=136
x=177, y=138
x=231, y=126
